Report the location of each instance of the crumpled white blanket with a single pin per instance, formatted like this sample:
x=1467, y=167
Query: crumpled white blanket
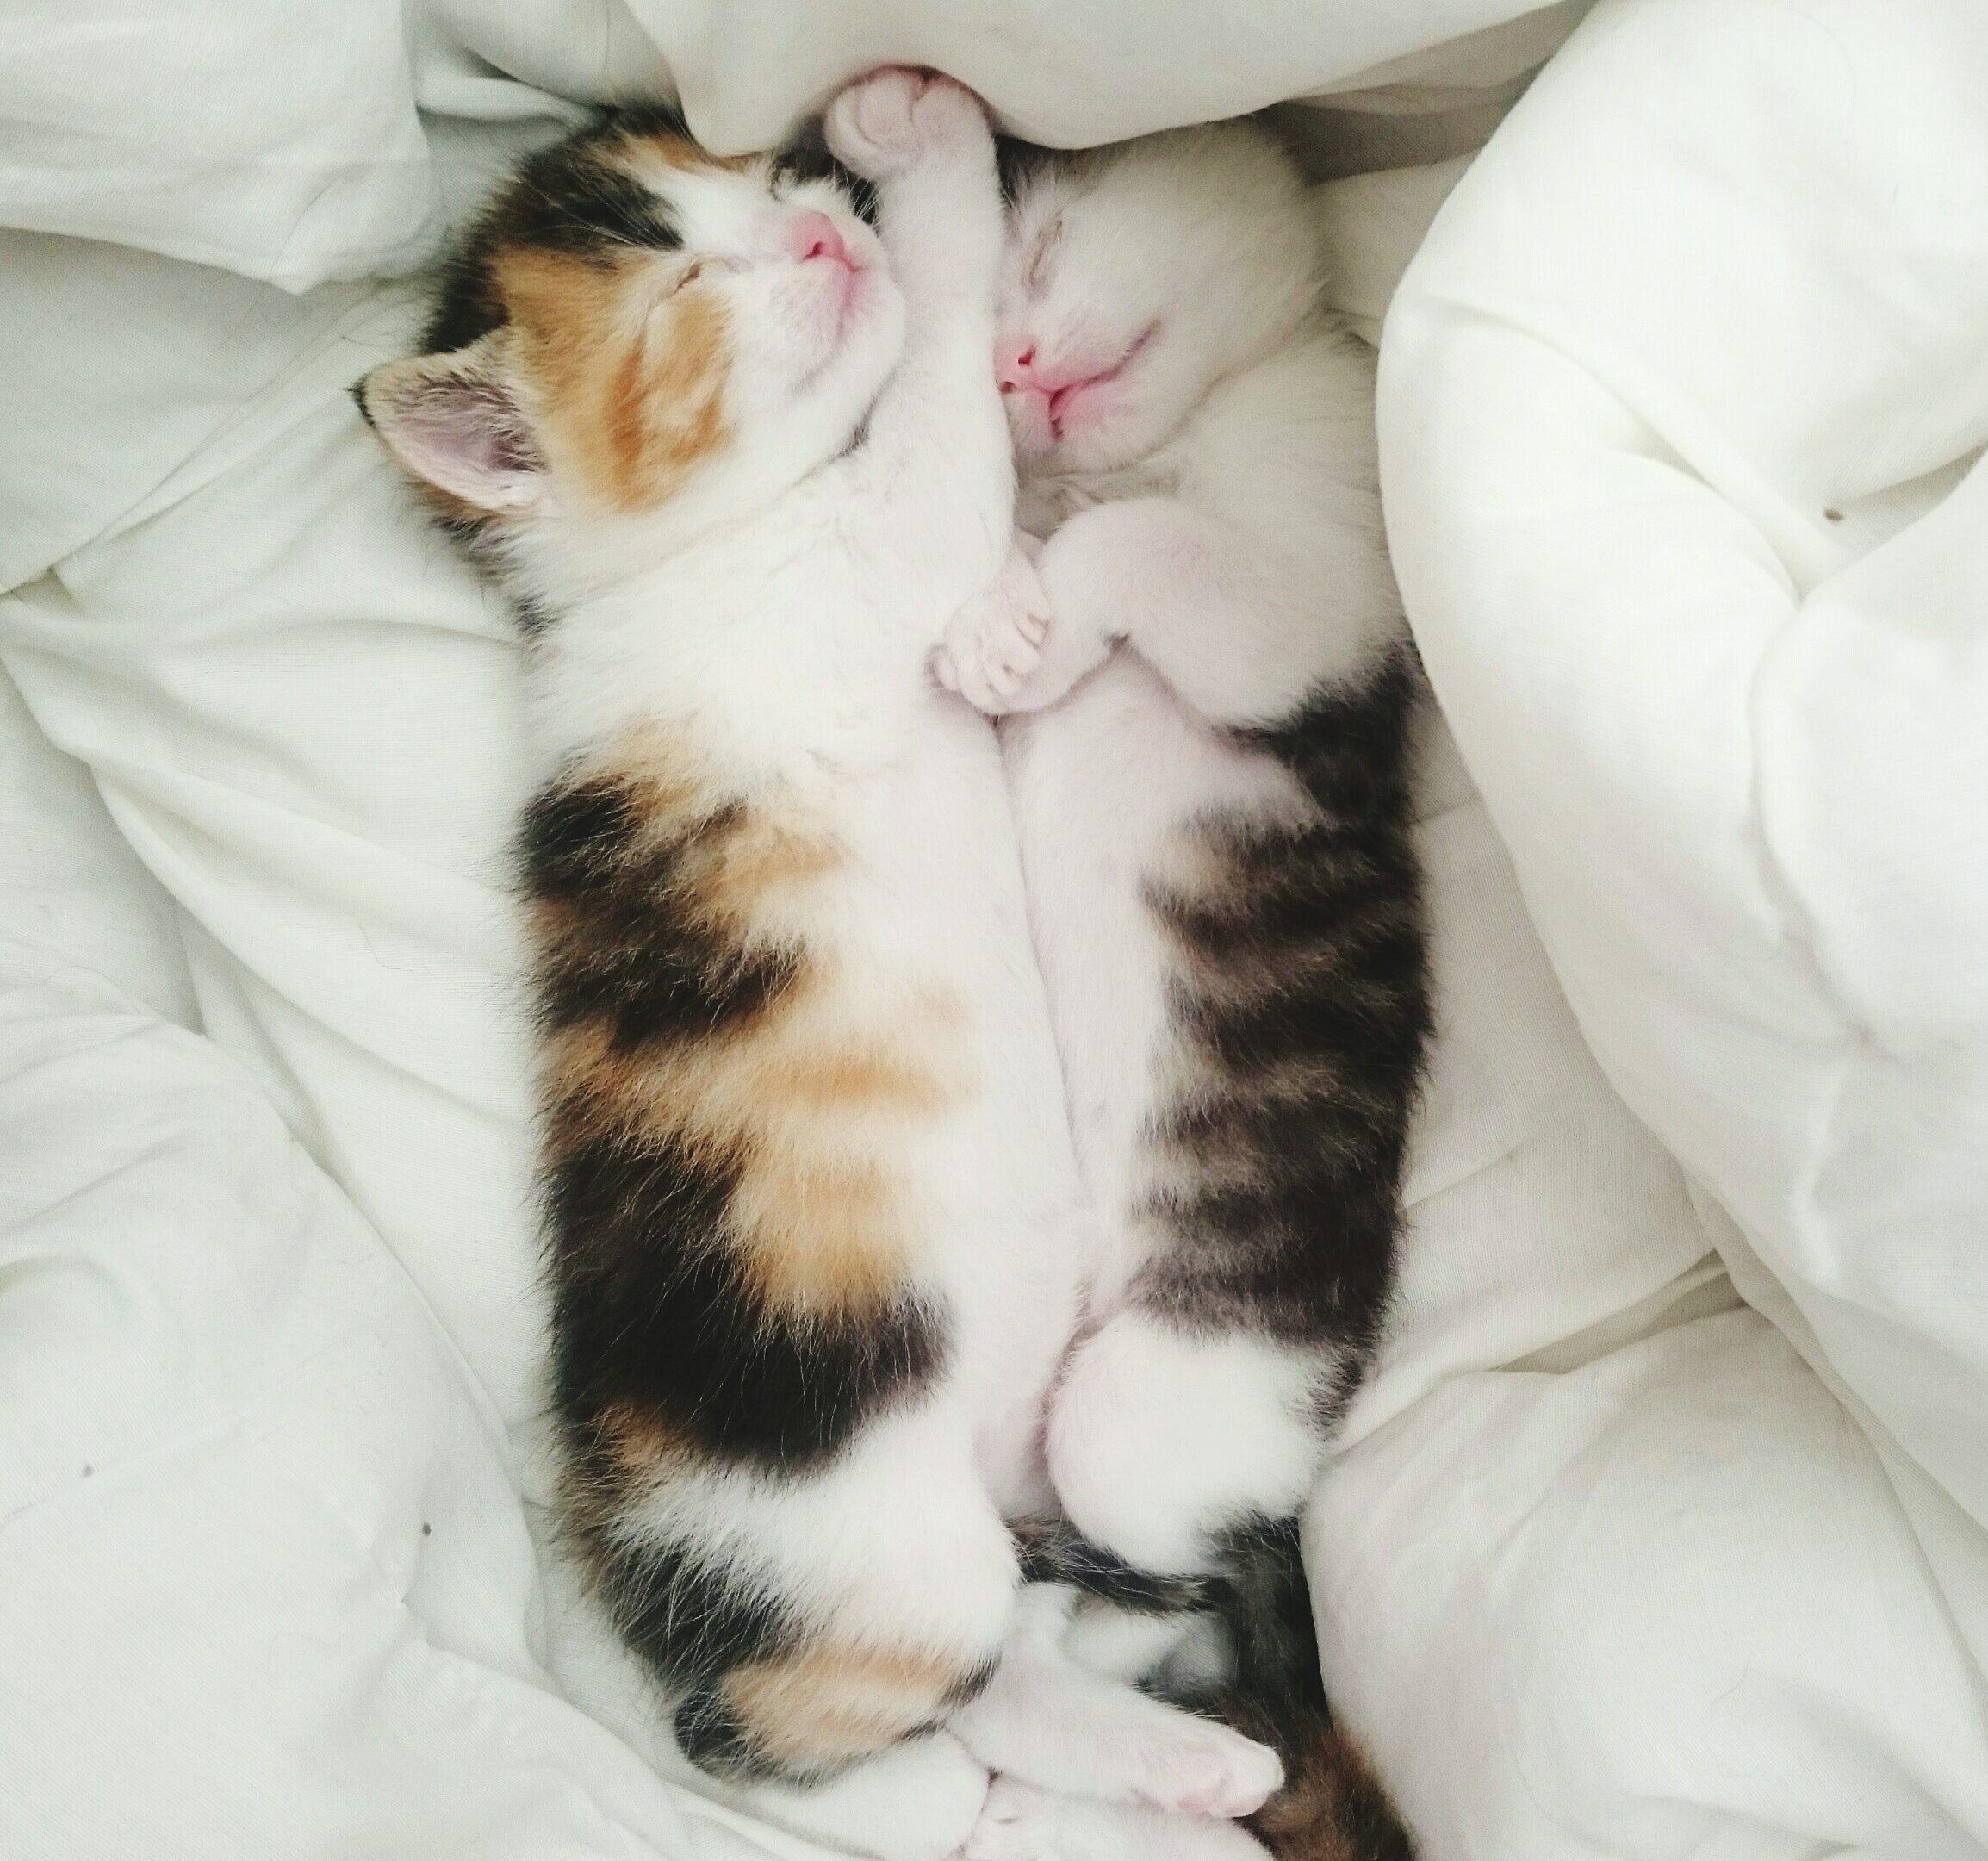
x=1679, y=402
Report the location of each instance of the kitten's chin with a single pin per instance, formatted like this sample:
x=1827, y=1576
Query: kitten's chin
x=1093, y=434
x=1074, y=451
x=1028, y=426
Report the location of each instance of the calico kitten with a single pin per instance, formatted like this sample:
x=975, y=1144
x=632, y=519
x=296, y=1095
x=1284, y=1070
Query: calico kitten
x=1208, y=755
x=810, y=1199
x=806, y=1166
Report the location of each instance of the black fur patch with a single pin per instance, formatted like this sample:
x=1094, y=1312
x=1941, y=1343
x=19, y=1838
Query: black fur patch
x=643, y=956
x=1301, y=986
x=1018, y=163
x=650, y=1306
x=585, y=209
x=1269, y=1614
x=710, y=1734
x=563, y=199
x=1054, y=1551
x=532, y=616
x=1330, y=1803
x=690, y=1620
x=567, y=199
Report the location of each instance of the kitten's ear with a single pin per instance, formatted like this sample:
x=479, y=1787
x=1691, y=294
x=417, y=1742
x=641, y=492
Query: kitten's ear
x=454, y=422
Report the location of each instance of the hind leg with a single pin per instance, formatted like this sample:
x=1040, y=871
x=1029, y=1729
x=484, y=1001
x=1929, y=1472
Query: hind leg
x=1158, y=1437
x=1190, y=1455
x=917, y=1802
x=1044, y=1718
x=805, y=1624
x=1020, y=1822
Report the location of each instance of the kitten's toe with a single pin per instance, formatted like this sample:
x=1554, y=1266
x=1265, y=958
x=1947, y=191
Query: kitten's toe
x=883, y=124
x=1066, y=653
x=949, y=115
x=1017, y=1823
x=869, y=123
x=989, y=652
x=1012, y=655
x=1201, y=1768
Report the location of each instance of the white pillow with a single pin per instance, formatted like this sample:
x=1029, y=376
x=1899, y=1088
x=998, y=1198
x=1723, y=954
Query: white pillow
x=274, y=140
x=1680, y=405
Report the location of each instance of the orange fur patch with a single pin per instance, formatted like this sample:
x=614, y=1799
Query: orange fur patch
x=630, y=392
x=638, y=1440
x=1331, y=1806
x=762, y=860
x=765, y=859
x=632, y=1444
x=817, y=1217
x=664, y=147
x=819, y=1235
x=838, y=1701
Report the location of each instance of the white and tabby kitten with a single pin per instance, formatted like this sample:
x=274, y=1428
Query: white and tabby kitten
x=1200, y=653
x=811, y=1208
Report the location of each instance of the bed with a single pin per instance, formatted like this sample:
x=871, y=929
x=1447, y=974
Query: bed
x=1662, y=1529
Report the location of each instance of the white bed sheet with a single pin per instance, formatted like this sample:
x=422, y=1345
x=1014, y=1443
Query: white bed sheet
x=1606, y=1570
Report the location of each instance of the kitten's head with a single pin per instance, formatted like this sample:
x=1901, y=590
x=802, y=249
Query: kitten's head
x=633, y=320
x=1135, y=278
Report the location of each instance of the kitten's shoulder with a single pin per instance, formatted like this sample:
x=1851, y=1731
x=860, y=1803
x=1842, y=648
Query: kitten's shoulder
x=1308, y=407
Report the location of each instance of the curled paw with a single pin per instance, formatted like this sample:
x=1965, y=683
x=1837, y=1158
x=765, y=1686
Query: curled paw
x=1018, y=1822
x=995, y=641
x=1207, y=1770
x=886, y=123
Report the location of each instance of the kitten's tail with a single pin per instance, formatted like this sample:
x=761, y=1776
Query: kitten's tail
x=1331, y=1806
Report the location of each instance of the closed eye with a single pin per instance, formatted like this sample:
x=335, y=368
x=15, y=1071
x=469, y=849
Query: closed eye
x=710, y=266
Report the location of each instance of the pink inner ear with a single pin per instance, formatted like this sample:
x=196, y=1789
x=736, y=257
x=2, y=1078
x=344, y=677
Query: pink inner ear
x=478, y=425
x=457, y=429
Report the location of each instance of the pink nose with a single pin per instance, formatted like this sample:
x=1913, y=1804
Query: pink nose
x=813, y=235
x=1015, y=366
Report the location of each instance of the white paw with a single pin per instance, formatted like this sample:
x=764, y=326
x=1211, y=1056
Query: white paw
x=995, y=641
x=883, y=125
x=1018, y=1822
x=916, y=1803
x=1200, y=1768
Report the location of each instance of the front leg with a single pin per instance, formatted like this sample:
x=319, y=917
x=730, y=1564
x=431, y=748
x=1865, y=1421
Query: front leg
x=1241, y=635
x=925, y=141
x=938, y=427
x=994, y=642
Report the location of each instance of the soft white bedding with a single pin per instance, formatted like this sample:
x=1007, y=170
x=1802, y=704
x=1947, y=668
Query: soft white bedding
x=1613, y=1565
